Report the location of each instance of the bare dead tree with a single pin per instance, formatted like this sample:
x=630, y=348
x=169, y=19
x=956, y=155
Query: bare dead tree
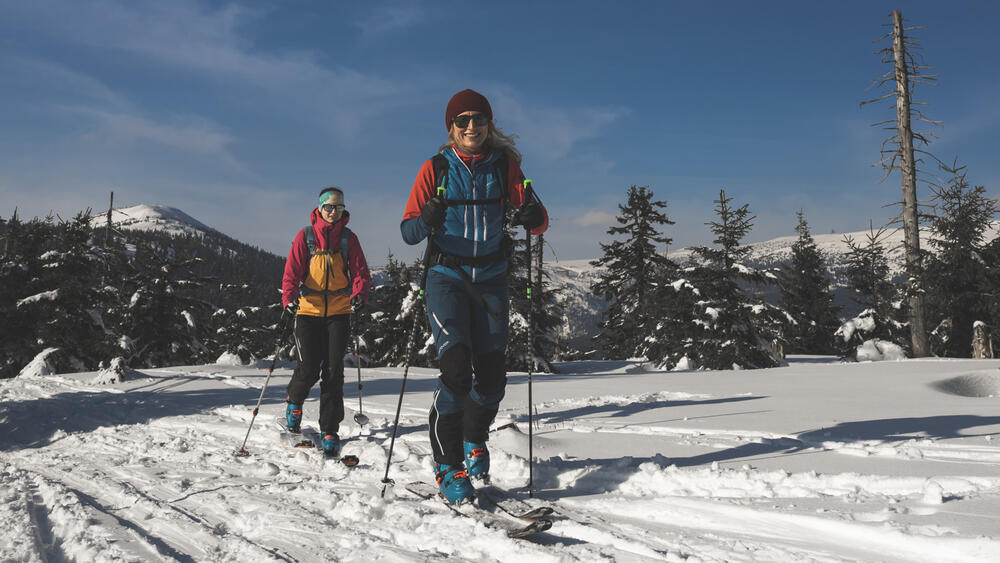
x=899, y=150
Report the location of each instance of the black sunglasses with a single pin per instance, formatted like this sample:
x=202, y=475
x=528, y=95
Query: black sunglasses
x=462, y=121
x=329, y=208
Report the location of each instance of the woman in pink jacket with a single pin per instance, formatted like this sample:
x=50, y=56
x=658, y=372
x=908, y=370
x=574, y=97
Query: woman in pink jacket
x=326, y=279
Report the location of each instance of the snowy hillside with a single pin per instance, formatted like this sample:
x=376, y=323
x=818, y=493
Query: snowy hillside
x=818, y=461
x=585, y=310
x=153, y=218
x=772, y=253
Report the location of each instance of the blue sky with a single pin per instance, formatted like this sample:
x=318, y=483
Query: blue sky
x=239, y=113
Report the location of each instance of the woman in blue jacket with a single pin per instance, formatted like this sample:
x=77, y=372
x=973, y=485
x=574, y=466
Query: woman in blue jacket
x=459, y=200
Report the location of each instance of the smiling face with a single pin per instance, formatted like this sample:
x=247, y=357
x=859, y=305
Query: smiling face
x=470, y=139
x=332, y=207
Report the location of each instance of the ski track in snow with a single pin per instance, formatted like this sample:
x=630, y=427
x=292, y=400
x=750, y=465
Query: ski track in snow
x=896, y=461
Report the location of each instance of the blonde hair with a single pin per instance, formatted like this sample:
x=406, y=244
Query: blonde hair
x=495, y=139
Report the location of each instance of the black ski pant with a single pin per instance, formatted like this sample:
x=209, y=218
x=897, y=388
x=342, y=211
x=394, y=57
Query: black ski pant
x=464, y=406
x=321, y=343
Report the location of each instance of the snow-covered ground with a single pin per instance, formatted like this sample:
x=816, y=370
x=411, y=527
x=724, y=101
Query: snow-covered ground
x=819, y=461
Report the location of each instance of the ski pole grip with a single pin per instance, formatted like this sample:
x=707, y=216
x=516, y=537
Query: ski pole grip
x=528, y=189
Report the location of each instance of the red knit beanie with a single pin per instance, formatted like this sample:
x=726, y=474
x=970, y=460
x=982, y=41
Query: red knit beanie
x=466, y=100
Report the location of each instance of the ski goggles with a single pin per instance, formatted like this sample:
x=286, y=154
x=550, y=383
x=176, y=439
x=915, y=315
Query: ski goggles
x=478, y=120
x=330, y=208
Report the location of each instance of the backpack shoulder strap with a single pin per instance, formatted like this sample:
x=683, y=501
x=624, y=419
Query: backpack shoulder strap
x=440, y=163
x=310, y=239
x=345, y=238
x=500, y=165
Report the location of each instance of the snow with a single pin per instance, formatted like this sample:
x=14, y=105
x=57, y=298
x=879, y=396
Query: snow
x=229, y=359
x=876, y=350
x=45, y=295
x=40, y=365
x=817, y=461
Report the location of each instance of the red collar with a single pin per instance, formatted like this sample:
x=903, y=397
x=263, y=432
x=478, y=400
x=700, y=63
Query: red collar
x=467, y=158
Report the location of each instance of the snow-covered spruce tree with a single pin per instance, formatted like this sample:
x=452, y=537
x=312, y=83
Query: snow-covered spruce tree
x=672, y=339
x=805, y=295
x=68, y=308
x=547, y=310
x=396, y=305
x=629, y=271
x=956, y=276
x=731, y=329
x=248, y=332
x=20, y=280
x=385, y=333
x=867, y=275
x=991, y=257
x=165, y=323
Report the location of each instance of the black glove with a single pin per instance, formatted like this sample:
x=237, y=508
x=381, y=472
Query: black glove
x=357, y=304
x=433, y=212
x=530, y=215
x=288, y=315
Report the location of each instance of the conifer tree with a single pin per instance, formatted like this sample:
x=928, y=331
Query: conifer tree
x=867, y=274
x=20, y=283
x=395, y=305
x=957, y=276
x=991, y=292
x=806, y=296
x=731, y=329
x=68, y=311
x=385, y=333
x=674, y=337
x=630, y=269
x=166, y=323
x=546, y=309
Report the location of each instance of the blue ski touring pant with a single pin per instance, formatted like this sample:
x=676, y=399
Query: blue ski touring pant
x=471, y=346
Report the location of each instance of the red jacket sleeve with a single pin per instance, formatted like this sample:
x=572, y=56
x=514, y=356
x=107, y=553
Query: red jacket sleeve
x=515, y=193
x=295, y=269
x=359, y=269
x=423, y=190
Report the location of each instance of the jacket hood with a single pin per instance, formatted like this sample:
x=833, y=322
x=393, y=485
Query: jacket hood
x=327, y=231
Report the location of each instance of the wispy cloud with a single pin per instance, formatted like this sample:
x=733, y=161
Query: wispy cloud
x=594, y=218
x=210, y=45
x=49, y=80
x=389, y=19
x=185, y=134
x=550, y=132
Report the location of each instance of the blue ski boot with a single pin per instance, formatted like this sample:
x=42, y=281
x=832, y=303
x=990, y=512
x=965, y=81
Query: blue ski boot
x=331, y=445
x=293, y=417
x=477, y=459
x=454, y=483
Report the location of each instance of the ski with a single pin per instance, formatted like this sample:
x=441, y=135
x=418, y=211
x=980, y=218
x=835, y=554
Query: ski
x=310, y=440
x=294, y=439
x=516, y=530
x=512, y=505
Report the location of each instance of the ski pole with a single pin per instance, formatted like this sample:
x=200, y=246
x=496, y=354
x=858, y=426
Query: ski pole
x=386, y=481
x=242, y=452
x=359, y=417
x=531, y=348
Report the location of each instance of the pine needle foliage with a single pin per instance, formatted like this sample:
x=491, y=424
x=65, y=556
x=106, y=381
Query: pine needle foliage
x=630, y=270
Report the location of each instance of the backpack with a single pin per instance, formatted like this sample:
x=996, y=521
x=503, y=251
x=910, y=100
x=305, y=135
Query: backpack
x=345, y=236
x=436, y=255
